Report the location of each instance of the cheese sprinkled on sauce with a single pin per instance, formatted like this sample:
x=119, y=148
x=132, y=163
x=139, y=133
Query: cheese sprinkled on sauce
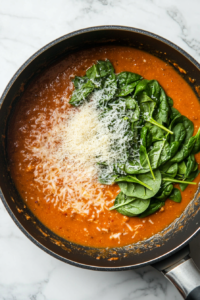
x=68, y=146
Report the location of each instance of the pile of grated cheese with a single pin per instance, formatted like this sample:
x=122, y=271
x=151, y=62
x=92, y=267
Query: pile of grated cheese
x=67, y=146
x=85, y=138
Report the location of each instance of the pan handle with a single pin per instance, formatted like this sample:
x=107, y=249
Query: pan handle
x=186, y=277
x=181, y=270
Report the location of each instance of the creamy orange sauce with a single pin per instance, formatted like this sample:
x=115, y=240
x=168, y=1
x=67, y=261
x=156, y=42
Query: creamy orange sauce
x=48, y=92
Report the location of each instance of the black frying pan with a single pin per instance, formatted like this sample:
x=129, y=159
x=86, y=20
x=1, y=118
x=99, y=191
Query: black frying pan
x=167, y=251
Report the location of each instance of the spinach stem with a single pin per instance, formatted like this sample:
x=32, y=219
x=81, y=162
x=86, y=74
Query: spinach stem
x=152, y=121
x=178, y=181
x=144, y=184
x=147, y=158
x=122, y=204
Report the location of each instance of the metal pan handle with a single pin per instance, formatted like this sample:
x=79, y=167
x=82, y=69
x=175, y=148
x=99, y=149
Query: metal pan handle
x=186, y=277
x=181, y=270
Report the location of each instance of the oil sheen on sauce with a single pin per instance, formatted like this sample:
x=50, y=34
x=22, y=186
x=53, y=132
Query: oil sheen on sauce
x=49, y=92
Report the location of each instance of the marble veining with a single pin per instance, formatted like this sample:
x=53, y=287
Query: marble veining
x=26, y=272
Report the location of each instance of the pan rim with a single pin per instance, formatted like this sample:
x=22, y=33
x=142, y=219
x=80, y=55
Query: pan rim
x=3, y=97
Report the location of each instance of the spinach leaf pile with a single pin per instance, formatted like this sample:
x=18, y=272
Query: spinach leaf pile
x=158, y=147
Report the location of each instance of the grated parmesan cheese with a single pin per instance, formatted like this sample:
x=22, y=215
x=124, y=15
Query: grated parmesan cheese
x=67, y=146
x=115, y=236
x=150, y=221
x=130, y=228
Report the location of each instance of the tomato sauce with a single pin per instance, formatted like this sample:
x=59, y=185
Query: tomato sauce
x=48, y=92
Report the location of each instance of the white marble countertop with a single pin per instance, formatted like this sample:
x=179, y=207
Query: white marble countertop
x=26, y=272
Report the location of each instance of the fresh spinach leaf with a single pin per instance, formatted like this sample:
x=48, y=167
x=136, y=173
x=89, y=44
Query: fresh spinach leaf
x=139, y=191
x=157, y=133
x=165, y=167
x=147, y=106
x=182, y=168
x=187, y=148
x=93, y=72
x=80, y=95
x=129, y=178
x=174, y=113
x=155, y=153
x=164, y=192
x=105, y=68
x=163, y=108
x=173, y=170
x=153, y=90
x=150, y=87
x=145, y=137
x=154, y=206
x=196, y=147
x=109, y=90
x=137, y=166
x=170, y=101
x=127, y=82
x=191, y=165
x=175, y=195
x=188, y=125
x=132, y=209
x=190, y=178
x=122, y=203
x=132, y=105
x=169, y=170
x=141, y=86
x=94, y=75
x=179, y=133
x=168, y=151
x=79, y=81
x=145, y=158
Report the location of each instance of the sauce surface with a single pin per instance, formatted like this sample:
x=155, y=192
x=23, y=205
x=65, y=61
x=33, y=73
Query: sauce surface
x=51, y=91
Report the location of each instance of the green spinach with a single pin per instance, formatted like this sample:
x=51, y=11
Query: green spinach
x=159, y=145
x=127, y=82
x=79, y=95
x=129, y=178
x=154, y=206
x=131, y=209
x=175, y=195
x=139, y=191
